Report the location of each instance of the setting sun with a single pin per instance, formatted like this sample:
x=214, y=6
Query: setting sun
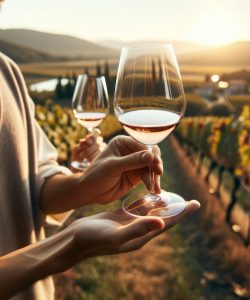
x=204, y=22
x=214, y=29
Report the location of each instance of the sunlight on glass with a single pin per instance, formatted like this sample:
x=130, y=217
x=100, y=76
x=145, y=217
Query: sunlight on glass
x=223, y=84
x=215, y=78
x=236, y=228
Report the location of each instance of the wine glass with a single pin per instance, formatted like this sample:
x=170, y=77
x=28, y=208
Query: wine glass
x=149, y=103
x=90, y=106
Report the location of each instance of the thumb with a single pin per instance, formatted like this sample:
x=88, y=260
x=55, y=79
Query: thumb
x=96, y=132
x=139, y=228
x=134, y=161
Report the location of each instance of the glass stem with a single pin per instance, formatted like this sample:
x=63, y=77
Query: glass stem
x=89, y=130
x=151, y=173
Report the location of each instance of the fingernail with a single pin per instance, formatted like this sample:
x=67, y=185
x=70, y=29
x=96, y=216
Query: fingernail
x=90, y=142
x=197, y=203
x=145, y=157
x=155, y=225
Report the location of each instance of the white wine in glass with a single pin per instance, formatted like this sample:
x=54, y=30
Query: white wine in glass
x=90, y=106
x=149, y=102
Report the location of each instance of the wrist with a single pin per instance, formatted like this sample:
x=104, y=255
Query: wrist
x=85, y=191
x=62, y=193
x=62, y=251
x=79, y=247
x=52, y=255
x=21, y=268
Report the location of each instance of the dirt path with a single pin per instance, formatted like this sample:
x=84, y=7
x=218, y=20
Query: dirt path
x=149, y=273
x=186, y=264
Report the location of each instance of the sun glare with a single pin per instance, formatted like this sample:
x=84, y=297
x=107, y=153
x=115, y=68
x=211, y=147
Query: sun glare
x=214, y=29
x=215, y=78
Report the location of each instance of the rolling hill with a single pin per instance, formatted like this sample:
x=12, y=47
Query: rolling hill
x=56, y=44
x=236, y=54
x=181, y=47
x=25, y=45
x=23, y=54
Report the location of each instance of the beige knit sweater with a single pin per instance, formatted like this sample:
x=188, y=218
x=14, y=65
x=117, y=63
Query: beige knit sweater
x=26, y=159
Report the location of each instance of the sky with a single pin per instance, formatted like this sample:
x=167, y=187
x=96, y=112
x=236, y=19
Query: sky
x=210, y=22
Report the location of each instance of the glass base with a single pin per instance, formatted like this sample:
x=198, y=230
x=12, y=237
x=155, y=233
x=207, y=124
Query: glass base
x=80, y=166
x=164, y=205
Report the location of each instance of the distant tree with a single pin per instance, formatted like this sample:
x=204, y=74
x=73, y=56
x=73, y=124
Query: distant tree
x=86, y=71
x=160, y=82
x=196, y=105
x=160, y=70
x=220, y=110
x=59, y=89
x=106, y=71
x=98, y=70
x=154, y=80
x=153, y=72
x=207, y=77
x=241, y=75
x=74, y=79
x=107, y=74
x=69, y=88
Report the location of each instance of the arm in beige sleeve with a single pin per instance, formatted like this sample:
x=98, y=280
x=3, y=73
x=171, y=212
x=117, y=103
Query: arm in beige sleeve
x=54, y=182
x=21, y=268
x=102, y=234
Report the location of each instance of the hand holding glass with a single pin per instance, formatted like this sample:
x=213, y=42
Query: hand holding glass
x=90, y=106
x=149, y=103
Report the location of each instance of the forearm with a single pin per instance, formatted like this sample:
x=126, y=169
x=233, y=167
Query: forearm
x=23, y=267
x=62, y=193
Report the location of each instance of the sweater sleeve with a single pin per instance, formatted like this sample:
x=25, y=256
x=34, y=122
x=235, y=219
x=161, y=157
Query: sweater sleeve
x=46, y=152
x=47, y=167
x=43, y=161
x=47, y=159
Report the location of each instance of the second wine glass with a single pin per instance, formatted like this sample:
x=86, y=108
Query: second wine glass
x=90, y=106
x=149, y=103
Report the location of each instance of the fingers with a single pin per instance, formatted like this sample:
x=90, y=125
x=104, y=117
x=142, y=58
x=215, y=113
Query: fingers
x=118, y=215
x=146, y=178
x=130, y=156
x=126, y=145
x=131, y=162
x=89, y=147
x=140, y=227
x=139, y=242
x=157, y=164
x=152, y=181
x=96, y=132
x=88, y=141
x=191, y=207
x=142, y=160
x=156, y=150
x=107, y=230
x=76, y=149
x=92, y=138
x=151, y=184
x=157, y=184
x=76, y=153
x=93, y=155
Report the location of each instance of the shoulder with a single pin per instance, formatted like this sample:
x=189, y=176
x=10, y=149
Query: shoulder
x=11, y=70
x=5, y=60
